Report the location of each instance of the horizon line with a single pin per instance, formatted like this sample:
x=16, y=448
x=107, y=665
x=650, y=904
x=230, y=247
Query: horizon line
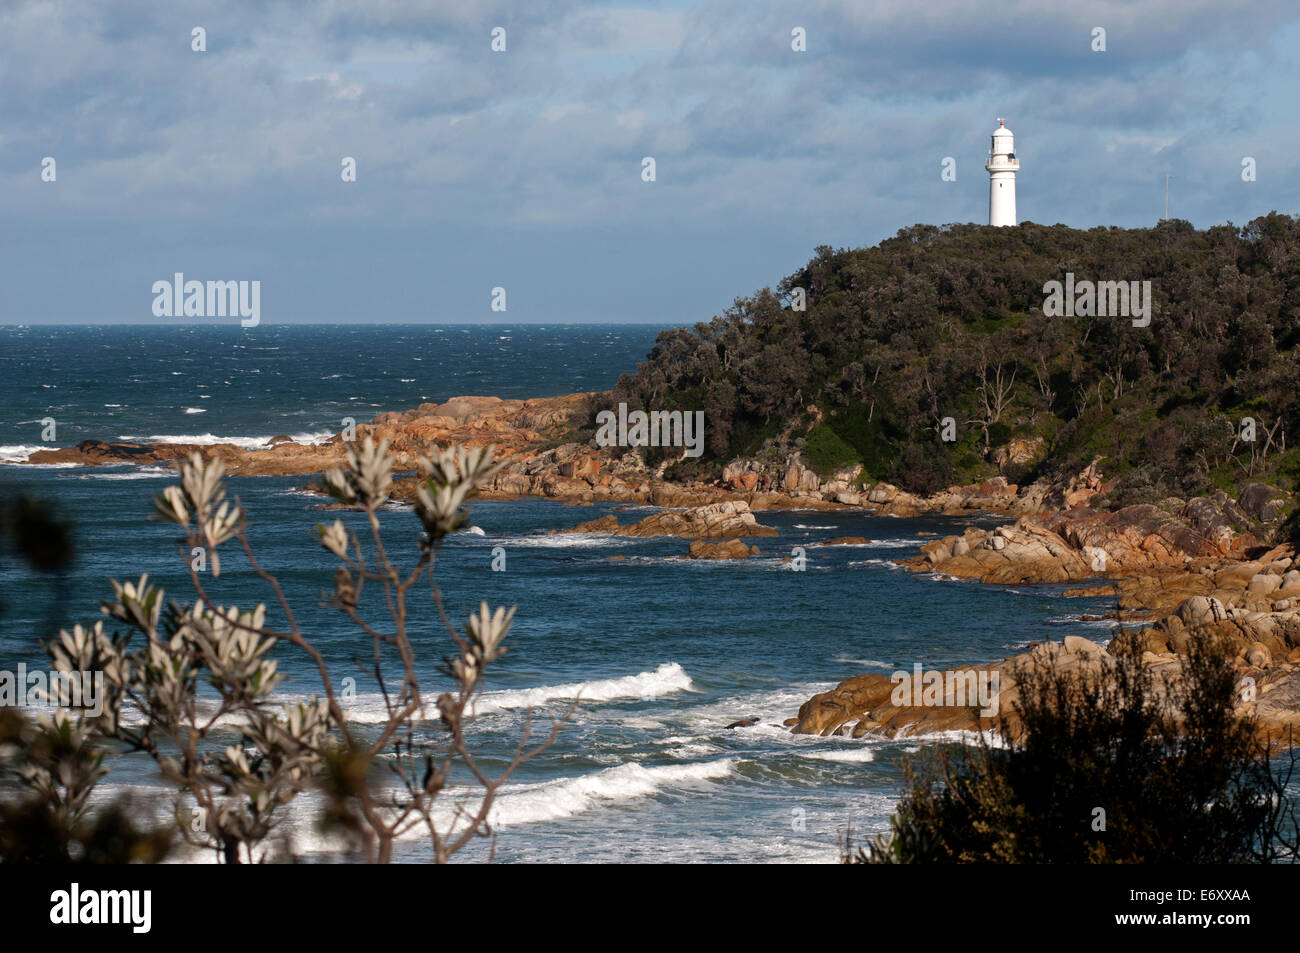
x=63, y=323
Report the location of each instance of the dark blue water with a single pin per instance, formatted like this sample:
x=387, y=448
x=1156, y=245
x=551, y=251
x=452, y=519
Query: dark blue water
x=665, y=652
x=203, y=383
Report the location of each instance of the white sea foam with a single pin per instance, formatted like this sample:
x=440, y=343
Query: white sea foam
x=565, y=797
x=897, y=543
x=571, y=540
x=195, y=410
x=203, y=439
x=806, y=526
x=640, y=723
x=144, y=473
x=1074, y=620
x=846, y=755
x=869, y=663
x=19, y=452
x=208, y=439
x=667, y=679
x=298, y=491
x=887, y=563
x=769, y=706
x=695, y=749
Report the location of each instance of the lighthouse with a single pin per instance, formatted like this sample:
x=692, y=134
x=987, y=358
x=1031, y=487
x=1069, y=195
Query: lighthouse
x=1002, y=165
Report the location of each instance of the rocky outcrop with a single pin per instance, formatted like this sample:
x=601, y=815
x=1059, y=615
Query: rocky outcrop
x=727, y=549
x=516, y=427
x=726, y=520
x=1018, y=450
x=1195, y=567
x=280, y=459
x=790, y=475
x=863, y=705
x=1250, y=605
x=602, y=524
x=1163, y=550
x=717, y=521
x=1026, y=552
x=995, y=495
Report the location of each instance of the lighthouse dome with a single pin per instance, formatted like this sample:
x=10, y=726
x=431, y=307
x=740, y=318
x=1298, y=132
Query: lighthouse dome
x=1002, y=132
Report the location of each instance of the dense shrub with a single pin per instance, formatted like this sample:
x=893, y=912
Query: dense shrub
x=1184, y=782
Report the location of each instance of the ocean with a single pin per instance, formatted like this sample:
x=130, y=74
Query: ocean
x=661, y=652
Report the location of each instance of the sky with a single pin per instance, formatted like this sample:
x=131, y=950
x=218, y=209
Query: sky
x=522, y=169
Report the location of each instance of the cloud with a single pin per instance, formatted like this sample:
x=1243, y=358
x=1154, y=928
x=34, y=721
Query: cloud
x=488, y=159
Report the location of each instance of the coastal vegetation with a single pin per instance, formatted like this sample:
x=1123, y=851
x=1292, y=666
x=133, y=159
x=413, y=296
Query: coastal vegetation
x=1108, y=766
x=949, y=322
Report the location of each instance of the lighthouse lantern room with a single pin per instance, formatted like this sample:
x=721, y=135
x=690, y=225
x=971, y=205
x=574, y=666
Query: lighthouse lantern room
x=1002, y=166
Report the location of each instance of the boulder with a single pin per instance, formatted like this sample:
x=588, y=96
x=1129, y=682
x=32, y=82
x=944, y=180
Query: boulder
x=727, y=549
x=1264, y=583
x=882, y=493
x=1077, y=644
x=602, y=524
x=1260, y=502
x=1200, y=610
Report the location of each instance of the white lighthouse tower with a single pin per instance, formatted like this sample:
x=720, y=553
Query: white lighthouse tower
x=1002, y=165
